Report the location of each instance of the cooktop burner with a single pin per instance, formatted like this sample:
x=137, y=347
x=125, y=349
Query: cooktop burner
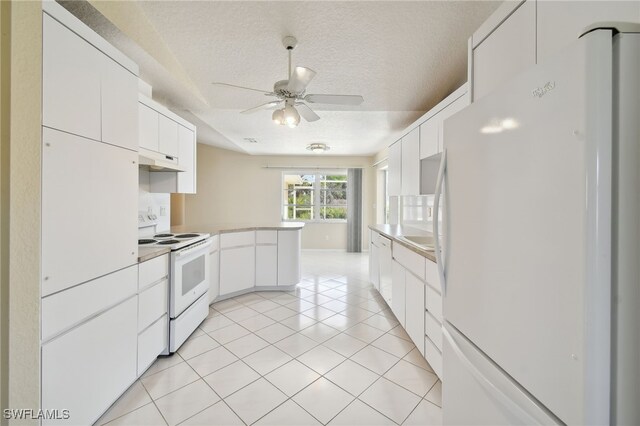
x=168, y=242
x=146, y=241
x=187, y=235
x=163, y=236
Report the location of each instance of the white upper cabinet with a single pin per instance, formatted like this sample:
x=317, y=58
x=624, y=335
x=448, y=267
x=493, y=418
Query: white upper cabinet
x=167, y=136
x=455, y=106
x=395, y=169
x=561, y=22
x=86, y=186
x=410, y=170
x=503, y=53
x=429, y=137
x=71, y=70
x=148, y=127
x=187, y=160
x=119, y=105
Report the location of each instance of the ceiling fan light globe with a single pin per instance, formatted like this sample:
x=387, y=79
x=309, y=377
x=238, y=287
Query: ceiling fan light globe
x=278, y=116
x=291, y=116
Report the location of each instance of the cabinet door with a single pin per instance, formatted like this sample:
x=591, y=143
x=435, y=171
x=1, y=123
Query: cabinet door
x=561, y=22
x=119, y=105
x=415, y=310
x=70, y=81
x=429, y=137
x=455, y=106
x=398, y=293
x=167, y=136
x=508, y=50
x=374, y=266
x=187, y=160
x=86, y=369
x=395, y=169
x=89, y=200
x=237, y=269
x=214, y=268
x=148, y=127
x=289, y=257
x=411, y=163
x=266, y=266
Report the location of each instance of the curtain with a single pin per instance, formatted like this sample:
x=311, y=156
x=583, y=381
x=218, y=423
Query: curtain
x=354, y=210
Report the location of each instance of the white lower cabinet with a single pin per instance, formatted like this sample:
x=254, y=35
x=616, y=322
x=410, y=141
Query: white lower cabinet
x=433, y=356
x=237, y=269
x=374, y=265
x=414, y=310
x=398, y=292
x=86, y=369
x=289, y=244
x=152, y=342
x=214, y=269
x=266, y=266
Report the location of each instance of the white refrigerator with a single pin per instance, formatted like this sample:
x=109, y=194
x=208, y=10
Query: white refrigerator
x=541, y=249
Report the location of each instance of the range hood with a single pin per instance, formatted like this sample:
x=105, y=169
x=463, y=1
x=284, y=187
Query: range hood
x=157, y=162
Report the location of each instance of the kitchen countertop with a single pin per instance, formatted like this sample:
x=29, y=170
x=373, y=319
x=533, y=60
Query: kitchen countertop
x=215, y=229
x=395, y=232
x=148, y=253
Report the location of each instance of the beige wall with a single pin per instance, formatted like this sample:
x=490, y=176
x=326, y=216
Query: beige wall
x=235, y=188
x=23, y=284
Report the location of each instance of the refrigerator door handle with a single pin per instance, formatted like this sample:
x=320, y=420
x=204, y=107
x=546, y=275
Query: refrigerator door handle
x=493, y=389
x=436, y=220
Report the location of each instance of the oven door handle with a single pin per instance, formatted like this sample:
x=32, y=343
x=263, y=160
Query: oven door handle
x=189, y=250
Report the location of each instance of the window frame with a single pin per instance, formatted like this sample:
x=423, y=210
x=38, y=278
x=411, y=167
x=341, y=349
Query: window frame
x=317, y=190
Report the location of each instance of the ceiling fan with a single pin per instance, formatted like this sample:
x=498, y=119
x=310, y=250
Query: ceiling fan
x=291, y=98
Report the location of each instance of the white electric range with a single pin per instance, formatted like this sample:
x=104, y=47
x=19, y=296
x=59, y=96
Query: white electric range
x=188, y=282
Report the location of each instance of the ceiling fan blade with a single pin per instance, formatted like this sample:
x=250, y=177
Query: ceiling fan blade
x=335, y=99
x=242, y=87
x=268, y=105
x=306, y=112
x=300, y=78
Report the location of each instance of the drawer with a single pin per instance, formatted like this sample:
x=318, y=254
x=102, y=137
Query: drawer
x=433, y=302
x=433, y=356
x=433, y=329
x=215, y=241
x=152, y=304
x=236, y=239
x=72, y=306
x=382, y=241
x=151, y=343
x=432, y=276
x=410, y=260
x=266, y=237
x=153, y=271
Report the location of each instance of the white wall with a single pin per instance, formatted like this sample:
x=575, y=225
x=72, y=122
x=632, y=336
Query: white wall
x=235, y=188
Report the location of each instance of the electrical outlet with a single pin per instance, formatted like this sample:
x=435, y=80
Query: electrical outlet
x=163, y=211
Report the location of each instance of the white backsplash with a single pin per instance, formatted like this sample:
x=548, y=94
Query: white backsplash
x=158, y=204
x=417, y=211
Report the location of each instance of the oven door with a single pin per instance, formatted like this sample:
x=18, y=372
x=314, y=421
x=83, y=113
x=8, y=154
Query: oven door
x=189, y=276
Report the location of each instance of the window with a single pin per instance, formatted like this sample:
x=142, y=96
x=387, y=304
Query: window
x=315, y=197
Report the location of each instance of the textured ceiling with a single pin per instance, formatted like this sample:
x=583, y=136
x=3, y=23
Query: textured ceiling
x=402, y=57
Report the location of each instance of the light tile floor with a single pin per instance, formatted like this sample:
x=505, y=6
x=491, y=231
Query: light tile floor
x=330, y=352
